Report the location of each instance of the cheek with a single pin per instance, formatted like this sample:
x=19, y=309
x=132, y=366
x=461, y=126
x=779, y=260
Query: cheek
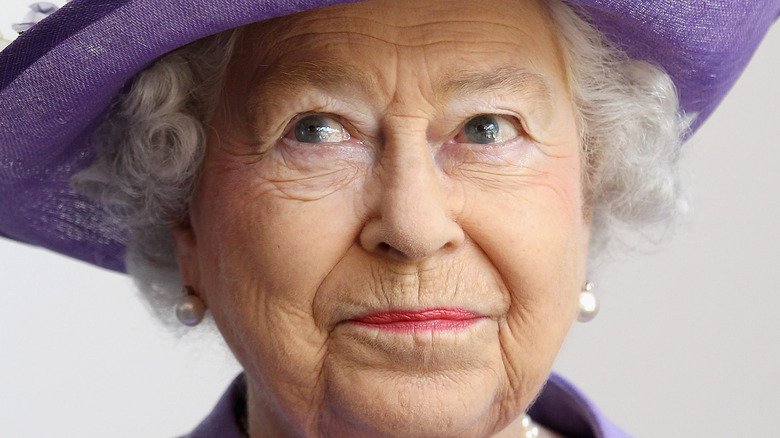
x=530, y=222
x=263, y=252
x=535, y=235
x=273, y=226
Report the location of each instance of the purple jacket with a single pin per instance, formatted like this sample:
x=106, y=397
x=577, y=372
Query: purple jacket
x=560, y=407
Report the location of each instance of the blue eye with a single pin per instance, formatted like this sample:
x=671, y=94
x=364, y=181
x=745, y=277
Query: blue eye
x=319, y=129
x=488, y=129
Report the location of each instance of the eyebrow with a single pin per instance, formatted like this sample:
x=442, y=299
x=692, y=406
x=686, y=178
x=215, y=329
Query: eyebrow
x=510, y=79
x=331, y=75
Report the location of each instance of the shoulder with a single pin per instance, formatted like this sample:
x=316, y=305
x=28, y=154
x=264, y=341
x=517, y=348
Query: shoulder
x=223, y=420
x=563, y=408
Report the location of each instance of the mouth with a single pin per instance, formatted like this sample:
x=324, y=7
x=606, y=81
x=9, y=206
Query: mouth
x=405, y=321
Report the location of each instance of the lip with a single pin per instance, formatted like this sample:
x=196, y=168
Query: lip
x=438, y=319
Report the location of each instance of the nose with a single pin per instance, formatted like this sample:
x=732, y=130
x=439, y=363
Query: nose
x=412, y=211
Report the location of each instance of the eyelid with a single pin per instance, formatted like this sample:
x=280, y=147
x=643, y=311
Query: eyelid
x=517, y=123
x=290, y=127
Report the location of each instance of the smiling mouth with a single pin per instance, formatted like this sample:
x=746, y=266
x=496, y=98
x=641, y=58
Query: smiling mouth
x=405, y=321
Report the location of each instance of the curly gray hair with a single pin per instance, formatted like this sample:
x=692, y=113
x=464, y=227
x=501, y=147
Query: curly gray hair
x=151, y=145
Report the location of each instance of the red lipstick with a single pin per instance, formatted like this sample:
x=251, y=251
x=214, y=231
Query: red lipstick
x=419, y=320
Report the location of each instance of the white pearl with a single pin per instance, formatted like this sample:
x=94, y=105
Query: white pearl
x=529, y=428
x=190, y=310
x=589, y=304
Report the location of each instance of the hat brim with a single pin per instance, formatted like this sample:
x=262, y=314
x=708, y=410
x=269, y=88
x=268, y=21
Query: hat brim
x=59, y=78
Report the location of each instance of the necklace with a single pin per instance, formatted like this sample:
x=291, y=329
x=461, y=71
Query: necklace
x=529, y=428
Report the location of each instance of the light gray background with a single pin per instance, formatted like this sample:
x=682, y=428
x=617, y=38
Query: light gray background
x=686, y=343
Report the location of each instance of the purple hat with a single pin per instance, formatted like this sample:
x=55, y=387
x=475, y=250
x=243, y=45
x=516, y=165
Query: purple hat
x=58, y=79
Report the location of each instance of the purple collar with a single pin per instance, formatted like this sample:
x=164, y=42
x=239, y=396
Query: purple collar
x=560, y=407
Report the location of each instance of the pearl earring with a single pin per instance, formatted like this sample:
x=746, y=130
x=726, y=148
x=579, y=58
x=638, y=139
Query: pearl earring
x=589, y=304
x=190, y=308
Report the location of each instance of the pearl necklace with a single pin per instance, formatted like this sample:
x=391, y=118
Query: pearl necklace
x=530, y=430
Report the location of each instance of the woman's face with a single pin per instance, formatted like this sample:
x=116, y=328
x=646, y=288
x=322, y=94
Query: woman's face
x=388, y=228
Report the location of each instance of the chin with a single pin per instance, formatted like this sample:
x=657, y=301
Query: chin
x=381, y=402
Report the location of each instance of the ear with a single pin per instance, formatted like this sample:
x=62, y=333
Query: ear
x=186, y=250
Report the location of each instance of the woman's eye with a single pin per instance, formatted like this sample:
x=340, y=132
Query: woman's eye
x=319, y=129
x=487, y=129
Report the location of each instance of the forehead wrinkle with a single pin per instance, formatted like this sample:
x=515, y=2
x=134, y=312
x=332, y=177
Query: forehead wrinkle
x=402, y=39
x=323, y=75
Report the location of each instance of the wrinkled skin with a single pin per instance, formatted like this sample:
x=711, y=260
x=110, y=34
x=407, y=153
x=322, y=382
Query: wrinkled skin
x=289, y=241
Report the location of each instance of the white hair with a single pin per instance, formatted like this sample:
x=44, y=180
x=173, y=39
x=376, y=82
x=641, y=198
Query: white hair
x=151, y=145
x=631, y=130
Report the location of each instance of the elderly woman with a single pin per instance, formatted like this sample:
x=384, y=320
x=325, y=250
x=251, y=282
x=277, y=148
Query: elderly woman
x=386, y=207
